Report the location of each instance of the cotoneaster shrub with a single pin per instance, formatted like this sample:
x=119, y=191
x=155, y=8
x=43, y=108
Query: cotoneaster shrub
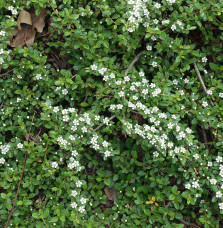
x=109, y=112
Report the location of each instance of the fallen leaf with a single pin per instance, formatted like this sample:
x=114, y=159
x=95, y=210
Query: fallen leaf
x=24, y=17
x=111, y=193
x=28, y=22
x=38, y=21
x=24, y=36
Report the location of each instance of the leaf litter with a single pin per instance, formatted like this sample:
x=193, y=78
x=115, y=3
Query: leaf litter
x=28, y=24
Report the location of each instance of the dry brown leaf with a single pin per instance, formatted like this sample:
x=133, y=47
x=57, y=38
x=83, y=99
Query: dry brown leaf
x=28, y=23
x=38, y=21
x=24, y=36
x=111, y=193
x=24, y=17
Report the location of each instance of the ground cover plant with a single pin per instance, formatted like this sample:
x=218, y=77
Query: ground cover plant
x=111, y=113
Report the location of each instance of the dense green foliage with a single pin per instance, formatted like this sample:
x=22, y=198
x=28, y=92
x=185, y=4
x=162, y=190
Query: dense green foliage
x=108, y=144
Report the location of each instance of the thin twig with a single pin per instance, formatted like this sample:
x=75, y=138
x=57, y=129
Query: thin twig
x=24, y=162
x=111, y=118
x=45, y=222
x=136, y=160
x=133, y=63
x=188, y=223
x=1, y=75
x=205, y=138
x=202, y=83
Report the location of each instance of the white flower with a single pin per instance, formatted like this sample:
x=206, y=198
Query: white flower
x=155, y=154
x=209, y=92
x=74, y=193
x=38, y=76
x=209, y=164
x=186, y=80
x=79, y=183
x=65, y=118
x=121, y=94
x=102, y=70
x=170, y=125
x=20, y=145
x=154, y=64
x=171, y=1
x=204, y=59
x=145, y=91
x=105, y=144
x=181, y=92
x=112, y=107
x=175, y=82
x=149, y=48
x=84, y=129
x=112, y=75
x=83, y=200
x=220, y=206
x=2, y=33
x=141, y=74
x=204, y=103
x=1, y=51
x=135, y=98
x=188, y=186
x=126, y=79
x=10, y=8
x=218, y=194
x=74, y=205
x=173, y=27
x=157, y=5
x=221, y=95
x=153, y=38
x=94, y=67
x=2, y=160
x=132, y=19
x=195, y=184
x=202, y=201
x=155, y=21
x=64, y=91
x=14, y=12
x=213, y=181
x=105, y=78
x=74, y=153
x=56, y=109
x=54, y=165
x=165, y=22
x=219, y=159
x=81, y=209
x=188, y=130
x=107, y=153
x=196, y=156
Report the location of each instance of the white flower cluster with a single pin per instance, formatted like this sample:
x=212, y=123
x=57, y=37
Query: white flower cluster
x=74, y=164
x=63, y=142
x=95, y=142
x=80, y=201
x=13, y=10
x=4, y=148
x=139, y=13
x=195, y=184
